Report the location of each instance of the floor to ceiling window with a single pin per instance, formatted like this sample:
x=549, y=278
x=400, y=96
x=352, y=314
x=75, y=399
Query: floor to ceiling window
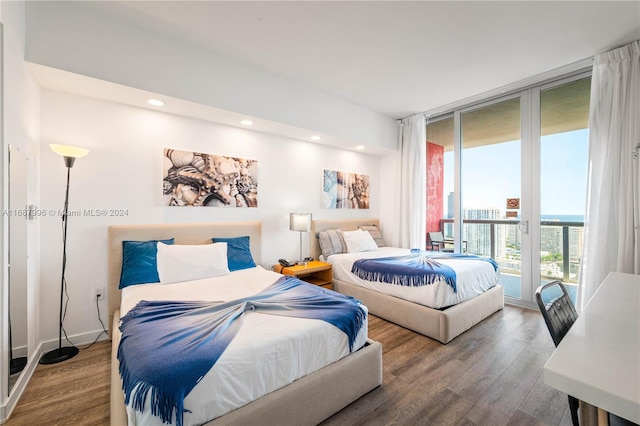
x=491, y=175
x=564, y=143
x=440, y=200
x=508, y=177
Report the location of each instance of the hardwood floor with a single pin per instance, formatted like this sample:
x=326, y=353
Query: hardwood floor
x=74, y=392
x=490, y=375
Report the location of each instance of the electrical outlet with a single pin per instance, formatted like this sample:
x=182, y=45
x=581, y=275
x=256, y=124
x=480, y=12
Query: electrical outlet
x=98, y=293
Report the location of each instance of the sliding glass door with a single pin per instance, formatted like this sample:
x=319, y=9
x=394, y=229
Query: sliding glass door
x=483, y=172
x=511, y=182
x=491, y=185
x=564, y=143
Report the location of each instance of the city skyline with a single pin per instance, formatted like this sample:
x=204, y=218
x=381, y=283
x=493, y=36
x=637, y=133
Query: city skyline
x=502, y=242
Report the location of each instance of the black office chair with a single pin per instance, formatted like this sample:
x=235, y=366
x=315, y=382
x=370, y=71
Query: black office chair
x=559, y=314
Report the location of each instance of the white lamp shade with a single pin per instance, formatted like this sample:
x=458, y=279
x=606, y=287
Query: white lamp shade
x=300, y=222
x=68, y=150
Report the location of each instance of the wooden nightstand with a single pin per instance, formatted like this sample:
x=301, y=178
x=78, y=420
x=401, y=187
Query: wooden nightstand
x=316, y=273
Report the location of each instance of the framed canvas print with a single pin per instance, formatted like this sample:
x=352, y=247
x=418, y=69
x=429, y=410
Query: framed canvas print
x=342, y=190
x=197, y=179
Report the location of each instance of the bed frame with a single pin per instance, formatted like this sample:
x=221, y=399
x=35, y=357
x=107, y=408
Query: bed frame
x=307, y=401
x=443, y=325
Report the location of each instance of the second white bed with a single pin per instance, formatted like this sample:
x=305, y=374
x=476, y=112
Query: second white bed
x=473, y=277
x=268, y=352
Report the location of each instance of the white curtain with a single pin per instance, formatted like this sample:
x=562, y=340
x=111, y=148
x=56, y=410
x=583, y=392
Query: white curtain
x=612, y=221
x=412, y=182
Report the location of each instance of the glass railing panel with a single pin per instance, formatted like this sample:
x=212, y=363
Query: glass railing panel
x=560, y=251
x=561, y=248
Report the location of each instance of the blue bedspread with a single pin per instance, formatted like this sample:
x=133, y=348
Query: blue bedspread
x=168, y=346
x=412, y=270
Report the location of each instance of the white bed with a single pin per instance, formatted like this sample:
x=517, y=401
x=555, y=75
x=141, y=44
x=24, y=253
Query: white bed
x=271, y=383
x=442, y=324
x=473, y=277
x=258, y=360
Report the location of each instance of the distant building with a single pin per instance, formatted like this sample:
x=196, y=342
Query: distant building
x=576, y=236
x=451, y=205
x=478, y=235
x=551, y=239
x=514, y=236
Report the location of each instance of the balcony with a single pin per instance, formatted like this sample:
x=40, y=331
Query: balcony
x=560, y=246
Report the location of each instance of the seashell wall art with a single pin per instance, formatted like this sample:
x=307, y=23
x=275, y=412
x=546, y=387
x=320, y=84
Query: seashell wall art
x=197, y=179
x=343, y=190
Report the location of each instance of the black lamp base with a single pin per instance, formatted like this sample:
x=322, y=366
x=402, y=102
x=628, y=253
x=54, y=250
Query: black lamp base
x=58, y=355
x=18, y=364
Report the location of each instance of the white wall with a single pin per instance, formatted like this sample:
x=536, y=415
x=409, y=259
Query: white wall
x=124, y=171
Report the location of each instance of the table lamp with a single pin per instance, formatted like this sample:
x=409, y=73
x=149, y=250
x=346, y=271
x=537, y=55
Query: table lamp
x=300, y=222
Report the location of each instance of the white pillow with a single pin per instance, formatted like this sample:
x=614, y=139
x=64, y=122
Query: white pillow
x=358, y=241
x=191, y=262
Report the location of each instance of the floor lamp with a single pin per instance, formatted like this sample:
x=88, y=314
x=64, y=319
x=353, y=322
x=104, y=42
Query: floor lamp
x=69, y=153
x=300, y=222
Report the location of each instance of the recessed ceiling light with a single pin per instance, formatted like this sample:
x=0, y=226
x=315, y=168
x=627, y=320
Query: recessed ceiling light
x=155, y=102
x=315, y=138
x=359, y=146
x=246, y=122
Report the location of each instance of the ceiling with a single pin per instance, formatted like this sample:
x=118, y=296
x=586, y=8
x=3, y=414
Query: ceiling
x=563, y=108
x=395, y=58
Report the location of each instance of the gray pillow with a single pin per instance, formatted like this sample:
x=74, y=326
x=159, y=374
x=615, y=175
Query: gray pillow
x=331, y=242
x=375, y=234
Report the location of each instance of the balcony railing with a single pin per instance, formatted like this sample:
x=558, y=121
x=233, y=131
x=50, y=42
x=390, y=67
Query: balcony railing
x=492, y=237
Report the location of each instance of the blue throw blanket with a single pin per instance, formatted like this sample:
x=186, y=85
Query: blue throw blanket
x=412, y=270
x=168, y=346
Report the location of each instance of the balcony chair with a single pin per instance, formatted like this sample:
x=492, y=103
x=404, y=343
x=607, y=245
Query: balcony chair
x=559, y=314
x=436, y=242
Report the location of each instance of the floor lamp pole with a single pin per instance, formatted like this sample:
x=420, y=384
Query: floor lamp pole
x=62, y=353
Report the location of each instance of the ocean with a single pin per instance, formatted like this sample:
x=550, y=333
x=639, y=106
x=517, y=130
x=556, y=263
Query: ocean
x=563, y=217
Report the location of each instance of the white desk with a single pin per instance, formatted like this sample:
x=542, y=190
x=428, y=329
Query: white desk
x=598, y=361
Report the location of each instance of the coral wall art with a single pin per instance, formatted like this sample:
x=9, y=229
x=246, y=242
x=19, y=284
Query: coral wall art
x=197, y=179
x=345, y=190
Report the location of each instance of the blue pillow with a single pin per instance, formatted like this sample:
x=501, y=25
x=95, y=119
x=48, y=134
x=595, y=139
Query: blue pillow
x=139, y=262
x=238, y=252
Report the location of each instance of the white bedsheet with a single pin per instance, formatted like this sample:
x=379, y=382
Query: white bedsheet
x=268, y=352
x=473, y=277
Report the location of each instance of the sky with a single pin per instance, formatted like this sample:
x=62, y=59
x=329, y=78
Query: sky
x=491, y=174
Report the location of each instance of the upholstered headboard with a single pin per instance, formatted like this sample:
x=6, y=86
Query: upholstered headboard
x=344, y=224
x=189, y=233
